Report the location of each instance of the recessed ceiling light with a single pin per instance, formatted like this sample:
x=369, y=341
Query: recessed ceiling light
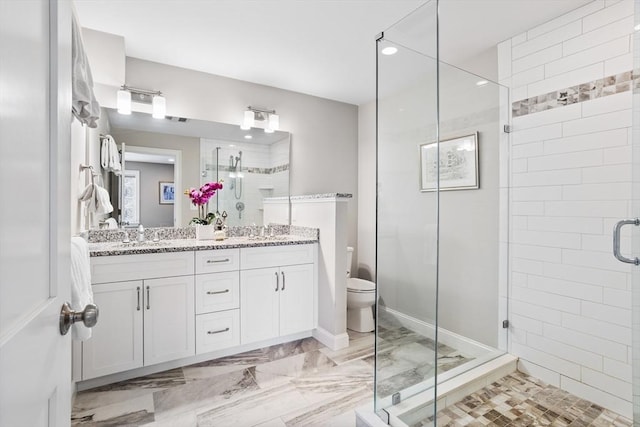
x=389, y=50
x=231, y=145
x=481, y=82
x=171, y=159
x=248, y=137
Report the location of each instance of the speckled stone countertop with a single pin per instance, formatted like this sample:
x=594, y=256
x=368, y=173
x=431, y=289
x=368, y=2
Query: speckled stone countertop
x=182, y=239
x=182, y=245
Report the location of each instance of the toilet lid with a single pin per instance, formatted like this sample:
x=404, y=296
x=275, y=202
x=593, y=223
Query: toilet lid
x=360, y=285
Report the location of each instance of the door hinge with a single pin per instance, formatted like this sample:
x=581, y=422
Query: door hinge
x=505, y=324
x=508, y=129
x=395, y=398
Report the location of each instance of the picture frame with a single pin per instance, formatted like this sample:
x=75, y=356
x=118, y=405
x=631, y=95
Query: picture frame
x=458, y=164
x=167, y=193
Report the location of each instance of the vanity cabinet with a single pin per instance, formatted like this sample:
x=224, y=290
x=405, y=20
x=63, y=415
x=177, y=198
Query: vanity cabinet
x=165, y=307
x=276, y=299
x=142, y=322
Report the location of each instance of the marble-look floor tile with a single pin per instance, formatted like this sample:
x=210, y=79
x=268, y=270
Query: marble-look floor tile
x=401, y=359
x=276, y=422
x=129, y=412
x=334, y=382
x=126, y=390
x=336, y=411
x=203, y=393
x=253, y=408
x=248, y=359
x=282, y=371
x=358, y=349
x=183, y=419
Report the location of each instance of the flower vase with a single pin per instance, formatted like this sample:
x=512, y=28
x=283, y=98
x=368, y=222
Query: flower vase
x=205, y=232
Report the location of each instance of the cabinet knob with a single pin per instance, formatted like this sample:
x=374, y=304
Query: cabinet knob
x=88, y=316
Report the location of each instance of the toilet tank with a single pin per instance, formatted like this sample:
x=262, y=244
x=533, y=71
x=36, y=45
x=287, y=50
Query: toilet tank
x=349, y=259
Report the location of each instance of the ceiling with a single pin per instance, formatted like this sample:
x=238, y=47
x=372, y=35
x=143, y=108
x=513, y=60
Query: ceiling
x=319, y=47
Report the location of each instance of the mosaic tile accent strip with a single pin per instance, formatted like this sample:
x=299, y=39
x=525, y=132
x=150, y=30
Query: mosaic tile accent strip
x=265, y=171
x=520, y=400
x=609, y=85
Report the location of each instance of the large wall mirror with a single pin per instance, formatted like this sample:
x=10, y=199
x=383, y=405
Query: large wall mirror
x=163, y=157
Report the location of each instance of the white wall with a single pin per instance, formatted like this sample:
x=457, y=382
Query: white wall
x=570, y=300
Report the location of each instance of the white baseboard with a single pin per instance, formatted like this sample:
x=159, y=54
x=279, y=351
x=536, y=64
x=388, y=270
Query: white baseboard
x=334, y=342
x=466, y=345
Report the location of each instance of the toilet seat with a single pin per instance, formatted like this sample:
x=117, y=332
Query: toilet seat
x=360, y=285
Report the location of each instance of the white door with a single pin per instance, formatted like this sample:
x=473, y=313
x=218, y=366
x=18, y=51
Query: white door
x=296, y=299
x=116, y=341
x=169, y=319
x=35, y=117
x=260, y=302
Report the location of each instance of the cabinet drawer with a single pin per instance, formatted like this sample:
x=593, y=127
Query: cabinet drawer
x=217, y=261
x=215, y=331
x=119, y=268
x=274, y=256
x=217, y=291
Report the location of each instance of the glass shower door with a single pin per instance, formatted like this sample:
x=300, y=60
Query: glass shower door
x=407, y=211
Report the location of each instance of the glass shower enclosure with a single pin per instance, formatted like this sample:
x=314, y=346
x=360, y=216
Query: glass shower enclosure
x=442, y=221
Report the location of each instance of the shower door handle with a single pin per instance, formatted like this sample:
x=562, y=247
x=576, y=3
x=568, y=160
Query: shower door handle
x=616, y=240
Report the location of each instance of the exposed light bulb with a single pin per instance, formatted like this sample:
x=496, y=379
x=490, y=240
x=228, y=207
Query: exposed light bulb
x=124, y=101
x=159, y=107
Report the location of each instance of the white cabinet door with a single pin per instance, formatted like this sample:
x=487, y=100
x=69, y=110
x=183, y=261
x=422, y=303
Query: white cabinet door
x=259, y=302
x=116, y=340
x=296, y=299
x=169, y=319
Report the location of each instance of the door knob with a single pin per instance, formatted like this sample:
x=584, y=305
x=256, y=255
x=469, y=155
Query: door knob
x=88, y=316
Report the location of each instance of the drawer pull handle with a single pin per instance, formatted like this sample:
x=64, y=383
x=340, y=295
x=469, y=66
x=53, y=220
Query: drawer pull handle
x=277, y=281
x=219, y=331
x=217, y=292
x=282, y=272
x=213, y=261
x=138, y=289
x=148, y=299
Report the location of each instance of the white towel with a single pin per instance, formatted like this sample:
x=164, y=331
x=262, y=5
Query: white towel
x=97, y=198
x=112, y=224
x=81, y=293
x=109, y=155
x=83, y=103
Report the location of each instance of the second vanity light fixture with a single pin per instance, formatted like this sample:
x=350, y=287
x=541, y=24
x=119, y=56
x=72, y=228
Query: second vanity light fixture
x=253, y=115
x=128, y=94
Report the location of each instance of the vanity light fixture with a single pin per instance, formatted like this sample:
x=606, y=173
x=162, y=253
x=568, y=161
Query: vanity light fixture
x=128, y=94
x=270, y=120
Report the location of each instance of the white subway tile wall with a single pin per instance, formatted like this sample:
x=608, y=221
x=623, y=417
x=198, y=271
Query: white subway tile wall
x=570, y=178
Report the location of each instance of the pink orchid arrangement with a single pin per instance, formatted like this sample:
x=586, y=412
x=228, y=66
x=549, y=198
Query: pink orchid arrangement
x=200, y=197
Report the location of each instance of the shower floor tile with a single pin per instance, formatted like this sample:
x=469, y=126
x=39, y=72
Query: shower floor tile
x=520, y=400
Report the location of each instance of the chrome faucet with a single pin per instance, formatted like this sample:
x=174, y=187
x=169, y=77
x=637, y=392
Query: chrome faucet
x=140, y=233
x=126, y=236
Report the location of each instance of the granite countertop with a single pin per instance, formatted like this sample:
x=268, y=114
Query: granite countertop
x=182, y=245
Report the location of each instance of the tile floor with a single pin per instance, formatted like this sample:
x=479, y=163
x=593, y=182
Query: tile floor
x=303, y=383
x=520, y=400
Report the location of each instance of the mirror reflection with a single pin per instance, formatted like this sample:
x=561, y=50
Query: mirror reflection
x=163, y=158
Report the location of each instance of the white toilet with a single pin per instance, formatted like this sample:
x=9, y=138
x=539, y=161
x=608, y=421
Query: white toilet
x=361, y=295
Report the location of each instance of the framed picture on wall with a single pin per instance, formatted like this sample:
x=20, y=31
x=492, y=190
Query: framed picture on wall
x=458, y=164
x=167, y=193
